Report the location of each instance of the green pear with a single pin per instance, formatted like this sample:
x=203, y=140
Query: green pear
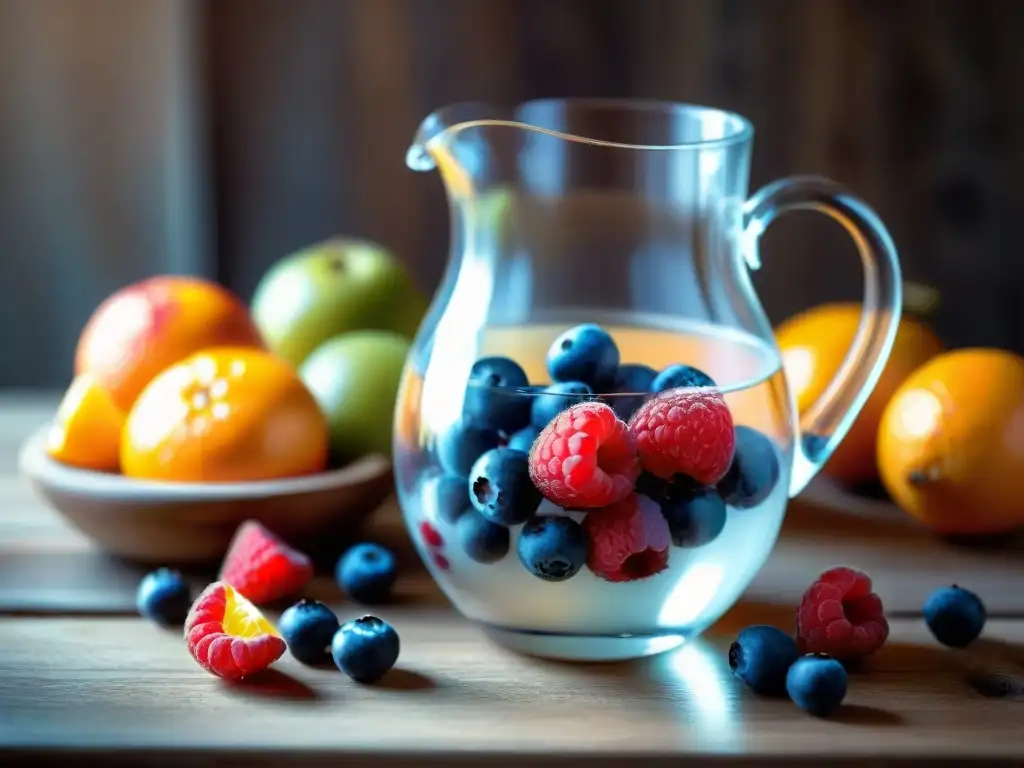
x=330, y=288
x=355, y=379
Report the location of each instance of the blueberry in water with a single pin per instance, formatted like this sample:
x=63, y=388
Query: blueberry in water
x=555, y=399
x=523, y=439
x=817, y=684
x=632, y=385
x=365, y=649
x=463, y=443
x=552, y=548
x=694, y=518
x=308, y=628
x=955, y=616
x=444, y=497
x=584, y=353
x=761, y=656
x=754, y=471
x=681, y=377
x=367, y=573
x=163, y=597
x=482, y=541
x=494, y=396
x=501, y=489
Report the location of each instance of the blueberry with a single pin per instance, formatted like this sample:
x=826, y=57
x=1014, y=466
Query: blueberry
x=367, y=573
x=681, y=377
x=659, y=489
x=761, y=656
x=695, y=518
x=632, y=385
x=754, y=471
x=585, y=353
x=308, y=628
x=556, y=399
x=501, y=489
x=552, y=548
x=444, y=497
x=365, y=649
x=523, y=439
x=463, y=443
x=955, y=616
x=482, y=541
x=164, y=597
x=816, y=683
x=492, y=399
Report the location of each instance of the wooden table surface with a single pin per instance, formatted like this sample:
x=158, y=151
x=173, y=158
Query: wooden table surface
x=80, y=672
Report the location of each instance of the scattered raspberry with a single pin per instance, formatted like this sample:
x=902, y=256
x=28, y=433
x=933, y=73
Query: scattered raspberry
x=585, y=458
x=687, y=432
x=262, y=567
x=628, y=540
x=840, y=616
x=430, y=535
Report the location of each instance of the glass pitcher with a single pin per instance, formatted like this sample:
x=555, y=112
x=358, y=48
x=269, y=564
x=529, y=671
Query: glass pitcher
x=594, y=439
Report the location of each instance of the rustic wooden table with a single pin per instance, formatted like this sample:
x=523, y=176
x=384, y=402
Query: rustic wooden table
x=83, y=679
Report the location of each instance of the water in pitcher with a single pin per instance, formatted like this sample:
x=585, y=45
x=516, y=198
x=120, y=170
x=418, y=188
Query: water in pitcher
x=708, y=564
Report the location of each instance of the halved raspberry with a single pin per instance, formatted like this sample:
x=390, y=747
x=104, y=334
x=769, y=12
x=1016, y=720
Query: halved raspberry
x=584, y=458
x=628, y=540
x=840, y=616
x=685, y=432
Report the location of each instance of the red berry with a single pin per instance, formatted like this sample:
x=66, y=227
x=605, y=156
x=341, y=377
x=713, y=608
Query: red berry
x=440, y=561
x=584, y=458
x=430, y=535
x=687, y=432
x=839, y=615
x=262, y=567
x=628, y=540
x=228, y=637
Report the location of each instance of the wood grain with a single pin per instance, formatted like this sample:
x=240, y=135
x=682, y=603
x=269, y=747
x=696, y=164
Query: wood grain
x=106, y=682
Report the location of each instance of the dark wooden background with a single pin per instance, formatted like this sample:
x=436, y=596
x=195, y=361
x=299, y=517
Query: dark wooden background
x=300, y=112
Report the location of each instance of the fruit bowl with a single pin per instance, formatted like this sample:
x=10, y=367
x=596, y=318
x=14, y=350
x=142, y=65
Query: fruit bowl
x=192, y=523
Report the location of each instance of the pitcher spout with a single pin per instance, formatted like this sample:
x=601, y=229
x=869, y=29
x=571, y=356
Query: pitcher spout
x=439, y=129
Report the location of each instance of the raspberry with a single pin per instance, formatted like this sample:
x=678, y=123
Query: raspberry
x=628, y=540
x=262, y=567
x=840, y=616
x=687, y=432
x=584, y=458
x=430, y=535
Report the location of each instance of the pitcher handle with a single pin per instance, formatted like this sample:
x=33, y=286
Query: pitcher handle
x=822, y=426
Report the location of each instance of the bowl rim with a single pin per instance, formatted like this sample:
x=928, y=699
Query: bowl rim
x=35, y=464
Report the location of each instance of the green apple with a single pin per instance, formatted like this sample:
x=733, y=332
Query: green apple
x=355, y=379
x=333, y=287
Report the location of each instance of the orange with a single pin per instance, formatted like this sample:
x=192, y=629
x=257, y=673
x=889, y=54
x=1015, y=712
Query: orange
x=951, y=442
x=145, y=327
x=222, y=415
x=86, y=432
x=813, y=345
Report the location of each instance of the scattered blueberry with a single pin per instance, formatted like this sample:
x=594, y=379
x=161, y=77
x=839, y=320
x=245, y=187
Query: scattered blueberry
x=367, y=573
x=955, y=616
x=816, y=683
x=754, y=471
x=164, y=597
x=463, y=443
x=695, y=518
x=584, y=353
x=365, y=649
x=761, y=656
x=681, y=377
x=501, y=489
x=523, y=439
x=492, y=399
x=444, y=497
x=308, y=628
x=552, y=548
x=555, y=399
x=481, y=540
x=632, y=385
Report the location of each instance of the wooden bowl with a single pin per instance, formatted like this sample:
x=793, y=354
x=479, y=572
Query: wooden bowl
x=192, y=523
